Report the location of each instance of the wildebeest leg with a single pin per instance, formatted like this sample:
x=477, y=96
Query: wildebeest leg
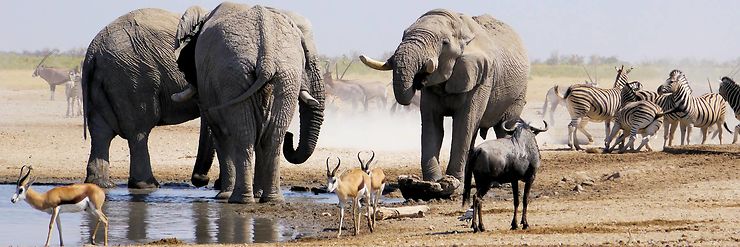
x=515, y=191
x=480, y=214
x=474, y=220
x=525, y=201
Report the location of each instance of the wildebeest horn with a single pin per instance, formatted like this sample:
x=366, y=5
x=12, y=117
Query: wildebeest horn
x=375, y=64
x=184, y=95
x=503, y=125
x=540, y=130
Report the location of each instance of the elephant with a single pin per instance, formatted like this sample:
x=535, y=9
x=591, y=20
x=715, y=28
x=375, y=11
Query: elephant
x=252, y=66
x=473, y=69
x=128, y=75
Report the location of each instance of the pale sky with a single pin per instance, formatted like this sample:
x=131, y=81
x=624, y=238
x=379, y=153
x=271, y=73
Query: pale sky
x=631, y=30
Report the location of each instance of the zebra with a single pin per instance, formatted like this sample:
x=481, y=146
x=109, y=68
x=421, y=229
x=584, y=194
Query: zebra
x=701, y=112
x=634, y=93
x=553, y=100
x=598, y=104
x=643, y=117
x=730, y=91
x=73, y=91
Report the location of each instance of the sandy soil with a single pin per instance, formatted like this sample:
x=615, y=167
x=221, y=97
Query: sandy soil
x=682, y=196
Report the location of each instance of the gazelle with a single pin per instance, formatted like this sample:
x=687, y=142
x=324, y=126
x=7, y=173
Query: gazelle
x=377, y=184
x=63, y=199
x=353, y=184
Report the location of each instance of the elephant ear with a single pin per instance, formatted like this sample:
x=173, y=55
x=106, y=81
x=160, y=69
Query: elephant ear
x=190, y=25
x=470, y=69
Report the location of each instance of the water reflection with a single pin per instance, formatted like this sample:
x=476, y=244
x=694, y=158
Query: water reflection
x=138, y=216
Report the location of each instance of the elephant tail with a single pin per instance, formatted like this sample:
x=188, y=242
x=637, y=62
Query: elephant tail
x=472, y=157
x=88, y=69
x=311, y=118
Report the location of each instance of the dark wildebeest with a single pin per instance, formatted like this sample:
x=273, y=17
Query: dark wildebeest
x=507, y=160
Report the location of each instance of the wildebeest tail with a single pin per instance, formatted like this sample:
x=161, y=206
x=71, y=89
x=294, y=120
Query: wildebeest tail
x=472, y=156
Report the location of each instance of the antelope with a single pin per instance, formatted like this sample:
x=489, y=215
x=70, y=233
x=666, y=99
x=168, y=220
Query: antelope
x=70, y=198
x=52, y=76
x=377, y=184
x=353, y=184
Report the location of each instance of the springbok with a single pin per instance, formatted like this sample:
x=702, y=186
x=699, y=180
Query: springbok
x=377, y=183
x=353, y=184
x=52, y=76
x=70, y=198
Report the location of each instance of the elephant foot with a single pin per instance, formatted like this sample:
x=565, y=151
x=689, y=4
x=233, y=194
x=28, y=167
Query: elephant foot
x=100, y=181
x=272, y=198
x=149, y=184
x=199, y=180
x=241, y=198
x=217, y=184
x=223, y=195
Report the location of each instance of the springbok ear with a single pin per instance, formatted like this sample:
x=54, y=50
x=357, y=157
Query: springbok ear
x=190, y=24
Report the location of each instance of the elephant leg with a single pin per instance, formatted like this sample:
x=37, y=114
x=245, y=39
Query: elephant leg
x=226, y=178
x=432, y=132
x=243, y=159
x=140, y=169
x=465, y=122
x=204, y=158
x=98, y=165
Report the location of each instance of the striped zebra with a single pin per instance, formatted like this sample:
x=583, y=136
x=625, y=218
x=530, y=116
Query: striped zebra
x=553, y=100
x=730, y=91
x=701, y=112
x=634, y=93
x=639, y=117
x=598, y=104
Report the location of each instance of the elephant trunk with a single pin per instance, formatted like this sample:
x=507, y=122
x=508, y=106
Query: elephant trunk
x=407, y=73
x=311, y=117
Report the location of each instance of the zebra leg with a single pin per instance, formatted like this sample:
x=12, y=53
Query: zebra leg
x=610, y=137
x=672, y=133
x=683, y=133
x=734, y=138
x=704, y=133
x=572, y=138
x=582, y=128
x=719, y=129
x=607, y=126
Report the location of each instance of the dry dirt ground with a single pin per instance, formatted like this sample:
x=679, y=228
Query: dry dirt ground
x=682, y=196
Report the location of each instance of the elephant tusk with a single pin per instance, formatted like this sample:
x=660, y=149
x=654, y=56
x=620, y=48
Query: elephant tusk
x=430, y=65
x=375, y=64
x=308, y=99
x=184, y=95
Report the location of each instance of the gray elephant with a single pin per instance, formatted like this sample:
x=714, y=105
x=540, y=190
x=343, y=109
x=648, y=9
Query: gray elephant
x=473, y=69
x=128, y=75
x=252, y=65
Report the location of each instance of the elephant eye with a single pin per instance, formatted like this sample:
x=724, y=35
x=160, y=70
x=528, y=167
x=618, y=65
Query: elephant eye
x=445, y=42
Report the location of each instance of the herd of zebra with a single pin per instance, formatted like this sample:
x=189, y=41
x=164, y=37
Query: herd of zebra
x=637, y=111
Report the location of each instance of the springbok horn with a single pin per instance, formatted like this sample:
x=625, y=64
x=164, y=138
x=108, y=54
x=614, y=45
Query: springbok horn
x=503, y=126
x=327, y=166
x=339, y=162
x=362, y=163
x=375, y=64
x=541, y=130
x=430, y=65
x=367, y=166
x=24, y=177
x=184, y=95
x=307, y=98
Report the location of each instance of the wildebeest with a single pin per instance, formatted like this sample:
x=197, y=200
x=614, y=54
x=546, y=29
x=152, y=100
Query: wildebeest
x=507, y=160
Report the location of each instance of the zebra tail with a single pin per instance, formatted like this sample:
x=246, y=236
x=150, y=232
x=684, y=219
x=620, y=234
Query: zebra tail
x=728, y=129
x=673, y=110
x=567, y=92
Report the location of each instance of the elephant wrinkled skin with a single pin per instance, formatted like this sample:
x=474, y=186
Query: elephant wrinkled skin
x=473, y=69
x=252, y=65
x=129, y=73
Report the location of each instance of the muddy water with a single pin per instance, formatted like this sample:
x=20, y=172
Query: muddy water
x=142, y=216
